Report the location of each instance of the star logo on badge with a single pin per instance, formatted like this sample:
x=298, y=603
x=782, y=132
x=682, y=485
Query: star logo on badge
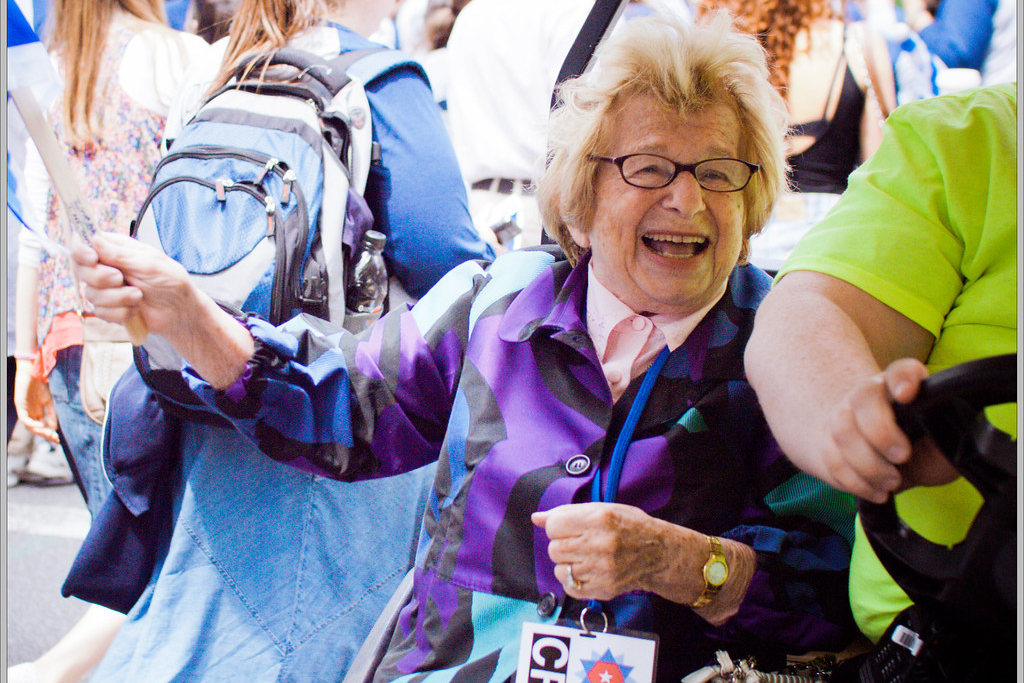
x=605, y=669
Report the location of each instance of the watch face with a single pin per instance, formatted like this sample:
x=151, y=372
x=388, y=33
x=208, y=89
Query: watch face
x=716, y=573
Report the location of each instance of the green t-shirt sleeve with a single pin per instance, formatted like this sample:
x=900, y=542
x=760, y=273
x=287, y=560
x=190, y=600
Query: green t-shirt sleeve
x=930, y=212
x=894, y=199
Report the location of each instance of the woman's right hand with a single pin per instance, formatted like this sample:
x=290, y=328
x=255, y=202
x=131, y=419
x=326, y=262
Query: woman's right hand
x=34, y=403
x=125, y=278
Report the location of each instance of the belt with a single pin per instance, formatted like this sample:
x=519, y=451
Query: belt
x=504, y=185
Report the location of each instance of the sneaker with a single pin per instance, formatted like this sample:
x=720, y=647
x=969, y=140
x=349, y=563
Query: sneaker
x=46, y=467
x=15, y=465
x=22, y=440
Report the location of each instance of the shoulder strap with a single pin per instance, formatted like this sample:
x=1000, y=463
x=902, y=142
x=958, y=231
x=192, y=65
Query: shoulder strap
x=309, y=65
x=363, y=66
x=603, y=16
x=834, y=92
x=345, y=60
x=871, y=71
x=371, y=63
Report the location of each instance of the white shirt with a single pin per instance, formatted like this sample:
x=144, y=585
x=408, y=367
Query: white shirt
x=1000, y=65
x=503, y=59
x=154, y=66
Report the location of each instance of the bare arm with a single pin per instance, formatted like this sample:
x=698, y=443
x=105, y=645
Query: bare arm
x=816, y=361
x=124, y=278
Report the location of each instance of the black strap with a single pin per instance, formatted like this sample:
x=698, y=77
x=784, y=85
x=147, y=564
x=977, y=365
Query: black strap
x=602, y=17
x=840, y=67
x=819, y=127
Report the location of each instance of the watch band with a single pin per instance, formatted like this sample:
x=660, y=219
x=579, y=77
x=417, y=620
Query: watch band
x=715, y=573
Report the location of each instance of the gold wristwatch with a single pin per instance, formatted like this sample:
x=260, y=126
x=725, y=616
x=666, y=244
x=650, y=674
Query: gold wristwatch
x=716, y=571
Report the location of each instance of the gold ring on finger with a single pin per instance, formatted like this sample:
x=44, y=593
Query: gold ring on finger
x=573, y=581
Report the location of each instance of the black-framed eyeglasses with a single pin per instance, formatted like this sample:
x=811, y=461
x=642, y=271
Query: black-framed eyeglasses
x=652, y=171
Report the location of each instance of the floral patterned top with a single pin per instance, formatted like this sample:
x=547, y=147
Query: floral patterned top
x=114, y=176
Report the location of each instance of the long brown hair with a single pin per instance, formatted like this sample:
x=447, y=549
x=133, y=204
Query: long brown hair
x=263, y=26
x=77, y=33
x=776, y=24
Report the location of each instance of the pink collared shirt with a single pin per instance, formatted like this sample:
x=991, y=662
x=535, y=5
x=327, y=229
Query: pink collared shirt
x=626, y=341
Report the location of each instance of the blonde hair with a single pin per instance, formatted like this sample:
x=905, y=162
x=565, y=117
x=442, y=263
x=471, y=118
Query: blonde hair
x=77, y=32
x=263, y=26
x=687, y=67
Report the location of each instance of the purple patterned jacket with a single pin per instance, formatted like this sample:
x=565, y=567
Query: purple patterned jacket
x=493, y=374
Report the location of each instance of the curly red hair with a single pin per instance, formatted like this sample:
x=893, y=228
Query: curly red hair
x=776, y=23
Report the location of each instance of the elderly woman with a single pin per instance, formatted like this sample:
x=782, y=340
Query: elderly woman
x=598, y=445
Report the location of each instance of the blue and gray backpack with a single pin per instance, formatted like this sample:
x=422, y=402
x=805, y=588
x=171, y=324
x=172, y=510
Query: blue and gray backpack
x=260, y=195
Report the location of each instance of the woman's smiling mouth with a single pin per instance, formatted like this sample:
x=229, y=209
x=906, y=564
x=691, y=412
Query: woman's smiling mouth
x=676, y=246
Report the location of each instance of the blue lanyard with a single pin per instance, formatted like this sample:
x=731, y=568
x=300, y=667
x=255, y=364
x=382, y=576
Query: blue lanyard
x=611, y=489
x=618, y=459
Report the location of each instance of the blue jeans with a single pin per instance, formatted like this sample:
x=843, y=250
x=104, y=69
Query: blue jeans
x=82, y=435
x=271, y=574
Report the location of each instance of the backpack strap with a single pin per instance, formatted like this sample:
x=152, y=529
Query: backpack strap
x=310, y=66
x=375, y=62
x=365, y=65
x=343, y=62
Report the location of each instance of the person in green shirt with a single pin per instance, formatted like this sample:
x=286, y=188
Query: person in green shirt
x=913, y=271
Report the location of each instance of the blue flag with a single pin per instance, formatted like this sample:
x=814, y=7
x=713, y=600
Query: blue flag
x=28, y=65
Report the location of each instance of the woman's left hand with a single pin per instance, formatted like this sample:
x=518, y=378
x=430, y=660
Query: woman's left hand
x=34, y=403
x=613, y=548
x=603, y=550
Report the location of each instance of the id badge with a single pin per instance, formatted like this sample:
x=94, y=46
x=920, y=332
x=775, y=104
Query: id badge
x=549, y=653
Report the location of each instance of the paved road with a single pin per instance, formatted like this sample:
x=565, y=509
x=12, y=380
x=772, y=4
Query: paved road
x=45, y=527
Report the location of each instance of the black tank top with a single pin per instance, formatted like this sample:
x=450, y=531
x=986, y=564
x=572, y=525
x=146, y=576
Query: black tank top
x=828, y=162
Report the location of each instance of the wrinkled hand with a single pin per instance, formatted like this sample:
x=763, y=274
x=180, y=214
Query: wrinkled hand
x=34, y=403
x=865, y=451
x=125, y=278
x=613, y=548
